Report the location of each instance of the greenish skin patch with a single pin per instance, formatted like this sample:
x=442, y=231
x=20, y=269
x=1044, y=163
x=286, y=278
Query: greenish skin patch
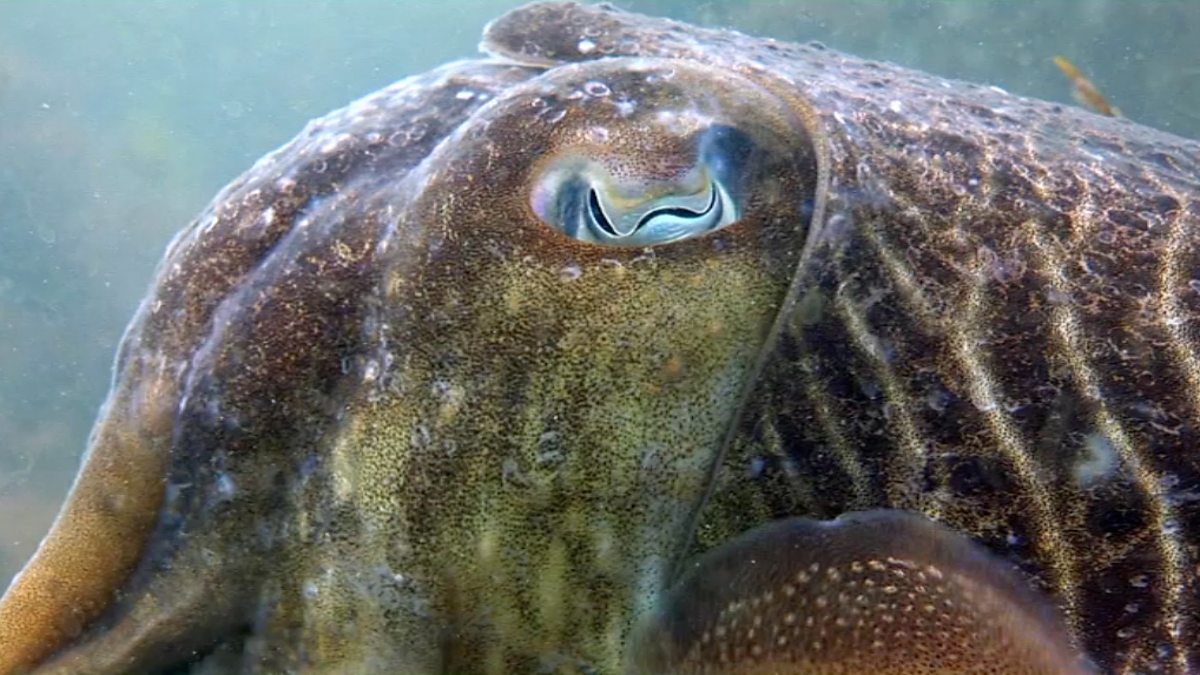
x=546, y=506
x=380, y=413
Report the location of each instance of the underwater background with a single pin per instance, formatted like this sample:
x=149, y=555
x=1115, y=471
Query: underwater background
x=120, y=120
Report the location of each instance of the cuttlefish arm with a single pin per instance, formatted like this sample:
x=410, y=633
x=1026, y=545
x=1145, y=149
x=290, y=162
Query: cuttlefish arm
x=870, y=592
x=168, y=528
x=98, y=535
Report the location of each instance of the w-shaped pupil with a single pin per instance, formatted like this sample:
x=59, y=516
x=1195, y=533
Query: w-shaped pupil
x=598, y=214
x=602, y=221
x=680, y=211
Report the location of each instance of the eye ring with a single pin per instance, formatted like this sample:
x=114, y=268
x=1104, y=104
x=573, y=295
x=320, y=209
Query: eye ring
x=591, y=201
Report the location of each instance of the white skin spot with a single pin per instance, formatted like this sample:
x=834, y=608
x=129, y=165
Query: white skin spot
x=597, y=135
x=597, y=89
x=1098, y=462
x=226, y=486
x=625, y=107
x=334, y=143
x=570, y=273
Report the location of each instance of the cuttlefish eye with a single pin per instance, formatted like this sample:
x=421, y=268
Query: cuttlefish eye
x=590, y=199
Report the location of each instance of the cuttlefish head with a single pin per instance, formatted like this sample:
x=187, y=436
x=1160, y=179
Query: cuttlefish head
x=481, y=397
x=580, y=293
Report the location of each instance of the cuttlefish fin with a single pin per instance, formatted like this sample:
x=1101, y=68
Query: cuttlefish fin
x=98, y=535
x=870, y=592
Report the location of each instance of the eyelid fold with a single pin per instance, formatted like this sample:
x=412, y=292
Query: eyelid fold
x=584, y=199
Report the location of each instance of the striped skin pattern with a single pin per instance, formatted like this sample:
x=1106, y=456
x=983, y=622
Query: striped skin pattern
x=996, y=328
x=999, y=331
x=374, y=416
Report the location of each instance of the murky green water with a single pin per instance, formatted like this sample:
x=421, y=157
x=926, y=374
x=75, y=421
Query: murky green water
x=120, y=120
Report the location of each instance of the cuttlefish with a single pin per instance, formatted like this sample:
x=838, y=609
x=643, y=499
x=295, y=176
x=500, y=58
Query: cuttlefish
x=636, y=347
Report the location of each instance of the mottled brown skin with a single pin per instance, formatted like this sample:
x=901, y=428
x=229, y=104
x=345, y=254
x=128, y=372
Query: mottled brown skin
x=405, y=426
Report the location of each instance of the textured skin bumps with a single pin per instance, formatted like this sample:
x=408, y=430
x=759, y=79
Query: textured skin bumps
x=403, y=425
x=878, y=591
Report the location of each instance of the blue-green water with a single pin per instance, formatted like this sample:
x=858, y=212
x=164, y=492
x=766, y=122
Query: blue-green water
x=120, y=120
